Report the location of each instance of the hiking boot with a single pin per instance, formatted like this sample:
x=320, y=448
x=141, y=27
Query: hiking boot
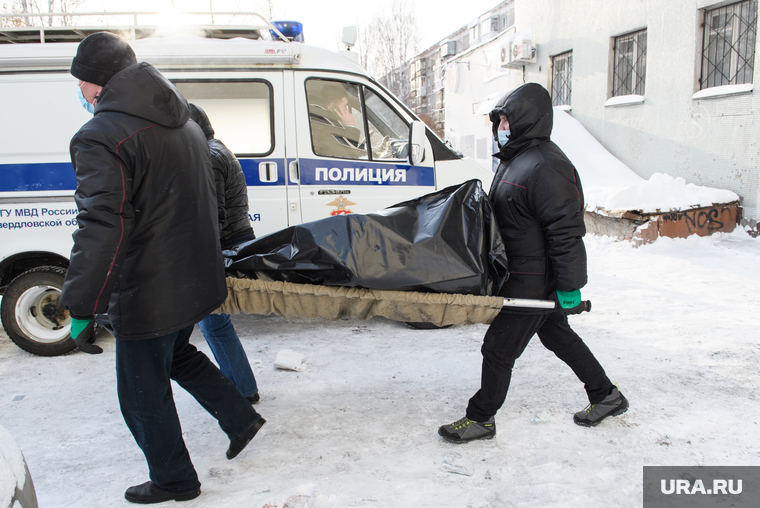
x=464, y=430
x=613, y=404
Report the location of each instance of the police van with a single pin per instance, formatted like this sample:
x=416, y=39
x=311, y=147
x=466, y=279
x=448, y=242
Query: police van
x=315, y=134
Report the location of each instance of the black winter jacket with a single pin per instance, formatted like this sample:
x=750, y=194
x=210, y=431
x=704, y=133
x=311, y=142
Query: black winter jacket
x=231, y=188
x=147, y=248
x=538, y=201
x=231, y=194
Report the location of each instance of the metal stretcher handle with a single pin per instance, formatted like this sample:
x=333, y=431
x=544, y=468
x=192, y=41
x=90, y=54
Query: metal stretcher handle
x=540, y=304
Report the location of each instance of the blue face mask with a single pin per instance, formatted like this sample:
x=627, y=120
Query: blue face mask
x=503, y=137
x=86, y=105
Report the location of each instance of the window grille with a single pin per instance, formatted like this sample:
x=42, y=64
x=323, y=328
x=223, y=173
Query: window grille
x=728, y=45
x=629, y=72
x=562, y=73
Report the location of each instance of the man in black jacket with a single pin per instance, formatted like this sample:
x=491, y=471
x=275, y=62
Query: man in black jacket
x=147, y=252
x=538, y=201
x=234, y=228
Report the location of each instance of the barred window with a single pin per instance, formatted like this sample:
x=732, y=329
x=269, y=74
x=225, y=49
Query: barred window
x=629, y=71
x=728, y=45
x=562, y=73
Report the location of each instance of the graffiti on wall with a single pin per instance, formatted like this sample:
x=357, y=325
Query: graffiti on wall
x=702, y=221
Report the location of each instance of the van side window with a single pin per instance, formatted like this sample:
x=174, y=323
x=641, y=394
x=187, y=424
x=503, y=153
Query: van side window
x=335, y=118
x=388, y=132
x=241, y=112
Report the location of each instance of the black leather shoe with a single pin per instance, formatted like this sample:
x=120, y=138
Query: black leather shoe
x=239, y=443
x=148, y=493
x=254, y=399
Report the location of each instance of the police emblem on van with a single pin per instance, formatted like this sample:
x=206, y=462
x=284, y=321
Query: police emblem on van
x=340, y=203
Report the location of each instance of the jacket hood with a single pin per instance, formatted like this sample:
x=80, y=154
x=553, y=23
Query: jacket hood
x=141, y=91
x=201, y=118
x=529, y=112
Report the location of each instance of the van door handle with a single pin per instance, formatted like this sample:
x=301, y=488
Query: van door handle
x=268, y=172
x=293, y=170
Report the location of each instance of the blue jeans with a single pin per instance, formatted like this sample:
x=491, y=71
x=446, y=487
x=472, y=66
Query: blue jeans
x=229, y=353
x=144, y=369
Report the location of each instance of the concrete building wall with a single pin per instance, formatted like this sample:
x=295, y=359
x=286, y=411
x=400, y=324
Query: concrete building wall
x=473, y=80
x=709, y=141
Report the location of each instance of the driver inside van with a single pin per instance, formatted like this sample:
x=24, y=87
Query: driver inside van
x=335, y=119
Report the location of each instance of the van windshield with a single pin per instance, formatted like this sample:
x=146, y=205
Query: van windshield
x=388, y=132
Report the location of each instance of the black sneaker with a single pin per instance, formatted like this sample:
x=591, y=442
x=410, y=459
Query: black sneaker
x=613, y=404
x=464, y=430
x=148, y=493
x=254, y=399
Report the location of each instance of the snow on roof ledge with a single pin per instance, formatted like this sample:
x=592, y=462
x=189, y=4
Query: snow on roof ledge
x=612, y=188
x=662, y=193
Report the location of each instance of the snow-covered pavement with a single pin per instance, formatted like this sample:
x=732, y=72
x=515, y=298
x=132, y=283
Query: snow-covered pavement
x=674, y=323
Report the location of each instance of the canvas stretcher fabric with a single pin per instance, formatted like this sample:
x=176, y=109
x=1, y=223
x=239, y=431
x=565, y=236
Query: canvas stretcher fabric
x=289, y=300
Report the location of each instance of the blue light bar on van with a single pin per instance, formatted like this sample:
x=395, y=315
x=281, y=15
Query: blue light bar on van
x=293, y=30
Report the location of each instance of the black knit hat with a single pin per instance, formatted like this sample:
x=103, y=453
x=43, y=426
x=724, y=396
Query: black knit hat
x=100, y=56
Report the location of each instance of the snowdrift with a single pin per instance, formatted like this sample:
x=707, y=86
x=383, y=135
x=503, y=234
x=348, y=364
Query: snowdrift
x=611, y=188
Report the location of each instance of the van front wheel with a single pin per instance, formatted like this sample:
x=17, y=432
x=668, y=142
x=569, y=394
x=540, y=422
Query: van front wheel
x=31, y=315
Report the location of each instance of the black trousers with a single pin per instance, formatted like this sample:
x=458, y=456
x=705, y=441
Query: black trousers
x=505, y=341
x=144, y=370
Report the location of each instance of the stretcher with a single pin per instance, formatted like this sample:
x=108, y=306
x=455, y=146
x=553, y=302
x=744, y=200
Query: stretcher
x=292, y=300
x=431, y=260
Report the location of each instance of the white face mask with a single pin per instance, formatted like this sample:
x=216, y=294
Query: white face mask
x=503, y=137
x=86, y=105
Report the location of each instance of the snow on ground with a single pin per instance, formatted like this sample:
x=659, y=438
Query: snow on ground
x=609, y=185
x=674, y=323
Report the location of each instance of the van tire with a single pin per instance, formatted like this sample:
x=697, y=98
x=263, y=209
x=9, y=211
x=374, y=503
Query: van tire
x=27, y=326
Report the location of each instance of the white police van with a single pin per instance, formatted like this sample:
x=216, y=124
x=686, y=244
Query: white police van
x=315, y=134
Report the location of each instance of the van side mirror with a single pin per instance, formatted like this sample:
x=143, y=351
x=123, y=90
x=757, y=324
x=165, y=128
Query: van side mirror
x=417, y=140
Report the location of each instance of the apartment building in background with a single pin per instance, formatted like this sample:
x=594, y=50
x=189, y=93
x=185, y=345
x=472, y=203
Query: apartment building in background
x=428, y=69
x=666, y=87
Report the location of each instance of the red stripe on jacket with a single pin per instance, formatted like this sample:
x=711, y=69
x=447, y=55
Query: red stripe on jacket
x=121, y=219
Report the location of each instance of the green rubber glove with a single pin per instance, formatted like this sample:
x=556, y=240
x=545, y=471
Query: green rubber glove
x=77, y=325
x=83, y=333
x=570, y=299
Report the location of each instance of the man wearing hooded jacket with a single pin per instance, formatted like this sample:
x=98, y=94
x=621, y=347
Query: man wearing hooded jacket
x=147, y=252
x=538, y=201
x=234, y=229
